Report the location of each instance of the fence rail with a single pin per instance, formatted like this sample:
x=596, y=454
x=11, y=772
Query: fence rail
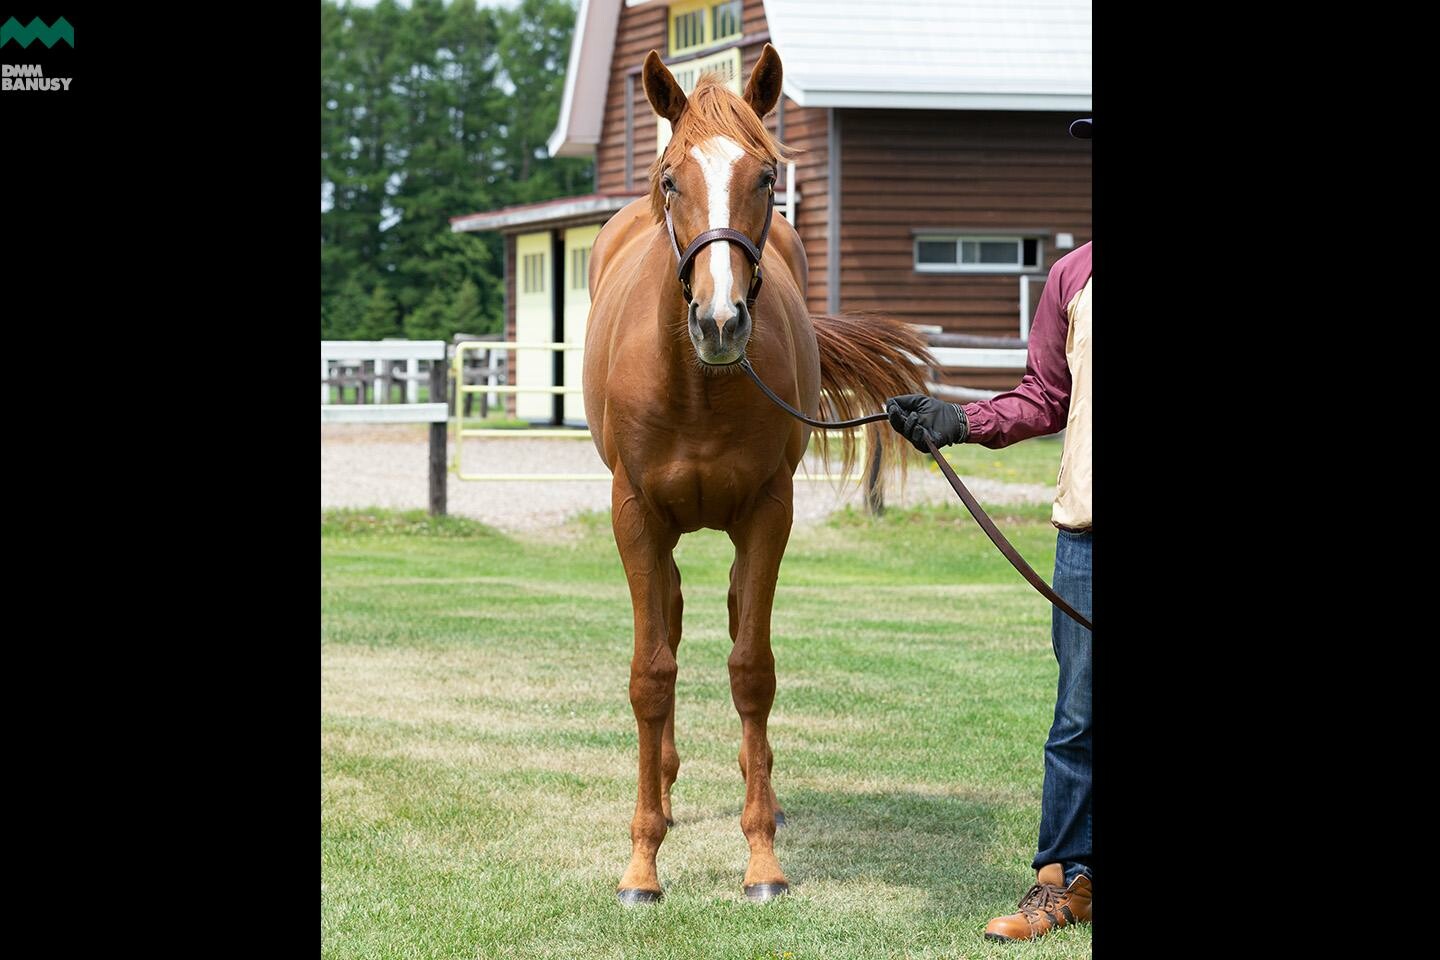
x=435, y=414
x=339, y=360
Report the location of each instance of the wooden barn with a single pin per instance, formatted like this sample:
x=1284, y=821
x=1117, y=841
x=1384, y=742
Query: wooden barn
x=936, y=180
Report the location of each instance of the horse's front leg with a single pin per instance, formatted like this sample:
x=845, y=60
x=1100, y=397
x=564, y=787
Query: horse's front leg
x=734, y=605
x=669, y=756
x=759, y=540
x=645, y=550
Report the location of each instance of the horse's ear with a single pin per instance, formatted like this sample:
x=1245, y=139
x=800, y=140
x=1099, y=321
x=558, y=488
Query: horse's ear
x=661, y=89
x=763, y=90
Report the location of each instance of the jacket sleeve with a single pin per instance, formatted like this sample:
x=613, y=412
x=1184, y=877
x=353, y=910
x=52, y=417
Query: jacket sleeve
x=1041, y=402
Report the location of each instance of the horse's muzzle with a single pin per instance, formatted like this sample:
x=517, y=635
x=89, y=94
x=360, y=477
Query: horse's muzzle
x=719, y=340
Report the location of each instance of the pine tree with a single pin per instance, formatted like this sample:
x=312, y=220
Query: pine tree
x=466, y=315
x=428, y=112
x=430, y=320
x=347, y=312
x=381, y=318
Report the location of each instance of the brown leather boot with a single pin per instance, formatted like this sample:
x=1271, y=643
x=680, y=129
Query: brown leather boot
x=1048, y=904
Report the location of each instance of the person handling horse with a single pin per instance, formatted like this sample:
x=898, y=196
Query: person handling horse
x=1054, y=394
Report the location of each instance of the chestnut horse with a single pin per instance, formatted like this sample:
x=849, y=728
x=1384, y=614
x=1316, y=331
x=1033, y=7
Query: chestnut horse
x=691, y=442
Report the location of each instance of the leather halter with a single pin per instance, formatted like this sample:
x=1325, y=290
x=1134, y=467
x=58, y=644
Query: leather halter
x=754, y=251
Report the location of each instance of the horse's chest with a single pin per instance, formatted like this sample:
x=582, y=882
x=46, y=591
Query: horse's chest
x=700, y=487
x=697, y=455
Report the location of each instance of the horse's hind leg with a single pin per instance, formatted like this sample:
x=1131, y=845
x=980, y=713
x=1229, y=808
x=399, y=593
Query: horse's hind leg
x=645, y=549
x=733, y=601
x=760, y=540
x=669, y=757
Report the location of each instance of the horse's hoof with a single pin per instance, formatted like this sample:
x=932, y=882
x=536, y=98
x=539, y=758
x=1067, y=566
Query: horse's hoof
x=760, y=892
x=629, y=898
x=779, y=818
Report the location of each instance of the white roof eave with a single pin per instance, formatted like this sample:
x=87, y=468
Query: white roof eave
x=539, y=213
x=587, y=77
x=937, y=100
x=935, y=54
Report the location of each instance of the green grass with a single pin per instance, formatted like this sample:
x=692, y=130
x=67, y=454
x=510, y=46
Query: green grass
x=1035, y=461
x=478, y=749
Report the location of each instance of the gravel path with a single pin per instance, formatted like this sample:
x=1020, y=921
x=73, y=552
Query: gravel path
x=385, y=465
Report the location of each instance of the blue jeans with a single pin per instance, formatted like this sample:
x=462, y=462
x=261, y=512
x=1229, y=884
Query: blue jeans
x=1065, y=802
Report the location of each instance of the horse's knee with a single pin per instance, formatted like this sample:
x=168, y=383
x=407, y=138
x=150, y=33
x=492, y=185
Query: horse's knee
x=752, y=682
x=652, y=686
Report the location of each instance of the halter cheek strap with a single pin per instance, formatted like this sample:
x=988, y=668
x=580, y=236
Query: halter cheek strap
x=754, y=251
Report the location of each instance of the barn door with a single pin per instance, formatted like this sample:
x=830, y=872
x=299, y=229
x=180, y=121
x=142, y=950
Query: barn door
x=534, y=323
x=578, y=241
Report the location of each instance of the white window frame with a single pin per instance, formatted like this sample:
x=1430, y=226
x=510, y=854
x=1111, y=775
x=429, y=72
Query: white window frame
x=958, y=267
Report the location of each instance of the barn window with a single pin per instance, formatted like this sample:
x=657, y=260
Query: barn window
x=580, y=268
x=697, y=24
x=725, y=21
x=533, y=273
x=687, y=74
x=976, y=254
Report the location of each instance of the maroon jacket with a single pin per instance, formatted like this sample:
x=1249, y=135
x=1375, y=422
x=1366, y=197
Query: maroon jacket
x=1041, y=402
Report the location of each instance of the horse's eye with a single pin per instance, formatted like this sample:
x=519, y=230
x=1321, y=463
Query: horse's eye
x=668, y=183
x=767, y=179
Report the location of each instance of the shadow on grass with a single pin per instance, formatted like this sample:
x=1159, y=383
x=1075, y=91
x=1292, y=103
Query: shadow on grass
x=949, y=846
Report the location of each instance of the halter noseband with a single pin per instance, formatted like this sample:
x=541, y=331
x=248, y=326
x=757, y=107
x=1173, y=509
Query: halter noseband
x=752, y=250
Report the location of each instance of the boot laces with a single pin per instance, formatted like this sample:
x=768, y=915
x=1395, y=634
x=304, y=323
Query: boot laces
x=1040, y=898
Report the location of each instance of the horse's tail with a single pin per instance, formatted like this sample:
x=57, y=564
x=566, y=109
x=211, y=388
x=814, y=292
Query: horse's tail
x=865, y=360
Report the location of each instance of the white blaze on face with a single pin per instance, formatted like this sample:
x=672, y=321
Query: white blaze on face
x=717, y=158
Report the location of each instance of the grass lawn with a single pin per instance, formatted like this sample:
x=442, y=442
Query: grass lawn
x=478, y=749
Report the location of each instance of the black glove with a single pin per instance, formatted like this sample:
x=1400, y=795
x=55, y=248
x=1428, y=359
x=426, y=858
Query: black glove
x=915, y=415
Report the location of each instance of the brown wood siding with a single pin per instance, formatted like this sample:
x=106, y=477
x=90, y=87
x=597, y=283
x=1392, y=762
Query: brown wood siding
x=642, y=29
x=807, y=130
x=903, y=169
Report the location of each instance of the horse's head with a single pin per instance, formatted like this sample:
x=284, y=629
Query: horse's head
x=717, y=172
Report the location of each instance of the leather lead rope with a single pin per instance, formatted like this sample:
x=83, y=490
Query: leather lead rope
x=971, y=504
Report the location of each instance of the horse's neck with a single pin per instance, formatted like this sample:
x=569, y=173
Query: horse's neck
x=675, y=352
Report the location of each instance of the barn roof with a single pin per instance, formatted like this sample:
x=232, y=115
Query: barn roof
x=910, y=54
x=935, y=54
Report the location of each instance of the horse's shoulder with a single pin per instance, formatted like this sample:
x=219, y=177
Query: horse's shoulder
x=627, y=224
x=786, y=241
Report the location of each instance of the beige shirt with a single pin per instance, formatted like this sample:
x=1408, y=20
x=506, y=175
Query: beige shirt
x=1072, y=496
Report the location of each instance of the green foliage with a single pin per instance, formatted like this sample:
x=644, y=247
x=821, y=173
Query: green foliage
x=427, y=113
x=467, y=313
x=343, y=315
x=381, y=318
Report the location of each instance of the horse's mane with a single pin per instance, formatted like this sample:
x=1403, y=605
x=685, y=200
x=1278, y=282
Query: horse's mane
x=713, y=110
